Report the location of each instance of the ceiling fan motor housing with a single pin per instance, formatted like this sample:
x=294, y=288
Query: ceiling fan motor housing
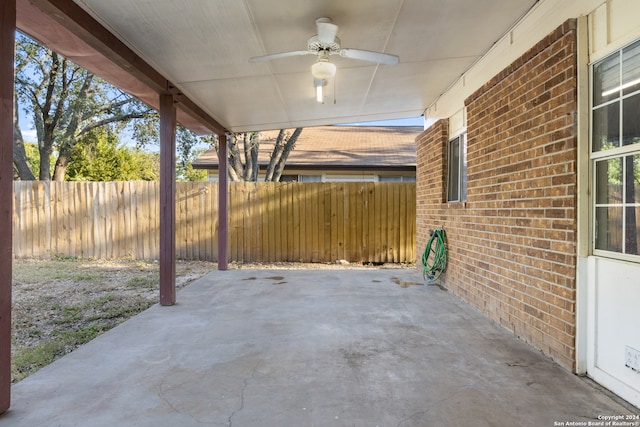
x=315, y=45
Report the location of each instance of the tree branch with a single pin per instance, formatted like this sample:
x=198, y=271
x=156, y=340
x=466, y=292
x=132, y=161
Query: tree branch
x=109, y=120
x=288, y=147
x=235, y=161
x=19, y=154
x=275, y=155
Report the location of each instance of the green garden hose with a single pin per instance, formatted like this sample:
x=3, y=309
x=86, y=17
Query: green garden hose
x=434, y=258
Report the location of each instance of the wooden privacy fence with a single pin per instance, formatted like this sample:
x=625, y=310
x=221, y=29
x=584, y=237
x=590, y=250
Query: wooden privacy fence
x=268, y=222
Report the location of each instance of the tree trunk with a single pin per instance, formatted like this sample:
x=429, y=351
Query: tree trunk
x=19, y=155
x=288, y=147
x=275, y=155
x=236, y=170
x=248, y=159
x=255, y=146
x=60, y=169
x=45, y=155
x=64, y=155
x=49, y=121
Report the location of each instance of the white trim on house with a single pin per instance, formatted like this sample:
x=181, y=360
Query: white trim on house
x=608, y=289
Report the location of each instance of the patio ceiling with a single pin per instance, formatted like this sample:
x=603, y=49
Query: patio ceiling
x=202, y=48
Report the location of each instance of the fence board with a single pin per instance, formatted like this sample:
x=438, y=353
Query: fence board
x=201, y=221
x=244, y=223
x=155, y=206
x=304, y=229
x=365, y=223
x=286, y=215
x=144, y=216
x=294, y=211
x=17, y=224
x=327, y=223
x=277, y=219
x=402, y=225
x=76, y=214
x=190, y=212
x=32, y=203
x=359, y=203
x=271, y=225
x=130, y=215
x=268, y=222
x=263, y=221
x=206, y=223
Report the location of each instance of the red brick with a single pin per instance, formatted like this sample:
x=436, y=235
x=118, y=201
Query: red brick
x=512, y=245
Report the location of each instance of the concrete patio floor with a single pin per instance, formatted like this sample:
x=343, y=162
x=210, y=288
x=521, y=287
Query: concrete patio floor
x=356, y=347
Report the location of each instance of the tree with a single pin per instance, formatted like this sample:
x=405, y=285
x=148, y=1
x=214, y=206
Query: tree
x=22, y=166
x=33, y=157
x=66, y=102
x=285, y=143
x=242, y=153
x=243, y=166
x=251, y=144
x=97, y=156
x=189, y=146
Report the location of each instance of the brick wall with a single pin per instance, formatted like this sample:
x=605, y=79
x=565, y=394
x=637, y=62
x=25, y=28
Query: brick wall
x=512, y=244
x=430, y=181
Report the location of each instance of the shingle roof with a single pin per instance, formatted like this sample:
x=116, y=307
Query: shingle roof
x=359, y=147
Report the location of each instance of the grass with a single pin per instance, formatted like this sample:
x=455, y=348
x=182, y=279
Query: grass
x=68, y=315
x=26, y=361
x=65, y=302
x=143, y=282
x=46, y=270
x=76, y=325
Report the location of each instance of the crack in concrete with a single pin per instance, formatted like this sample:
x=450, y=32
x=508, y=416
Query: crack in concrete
x=161, y=391
x=161, y=395
x=244, y=387
x=410, y=418
x=430, y=407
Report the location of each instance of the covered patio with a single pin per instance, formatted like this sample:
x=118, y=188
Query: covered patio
x=191, y=62
x=294, y=347
x=357, y=347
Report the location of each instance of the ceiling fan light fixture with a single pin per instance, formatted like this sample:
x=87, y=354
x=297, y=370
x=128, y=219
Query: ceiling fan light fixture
x=323, y=70
x=320, y=84
x=319, y=94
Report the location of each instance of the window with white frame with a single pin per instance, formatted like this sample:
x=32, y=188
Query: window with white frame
x=396, y=178
x=457, y=169
x=310, y=178
x=615, y=151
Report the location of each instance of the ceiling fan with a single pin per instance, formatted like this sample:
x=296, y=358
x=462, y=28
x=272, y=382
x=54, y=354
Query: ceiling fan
x=323, y=45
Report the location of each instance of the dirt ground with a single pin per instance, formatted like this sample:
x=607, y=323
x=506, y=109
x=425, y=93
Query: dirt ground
x=60, y=304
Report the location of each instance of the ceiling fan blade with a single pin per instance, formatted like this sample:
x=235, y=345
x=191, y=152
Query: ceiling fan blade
x=280, y=55
x=326, y=30
x=366, y=55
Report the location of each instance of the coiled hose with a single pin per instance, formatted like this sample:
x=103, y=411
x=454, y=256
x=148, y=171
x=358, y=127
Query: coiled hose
x=434, y=258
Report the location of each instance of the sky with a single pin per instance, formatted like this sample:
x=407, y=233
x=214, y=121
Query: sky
x=26, y=125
